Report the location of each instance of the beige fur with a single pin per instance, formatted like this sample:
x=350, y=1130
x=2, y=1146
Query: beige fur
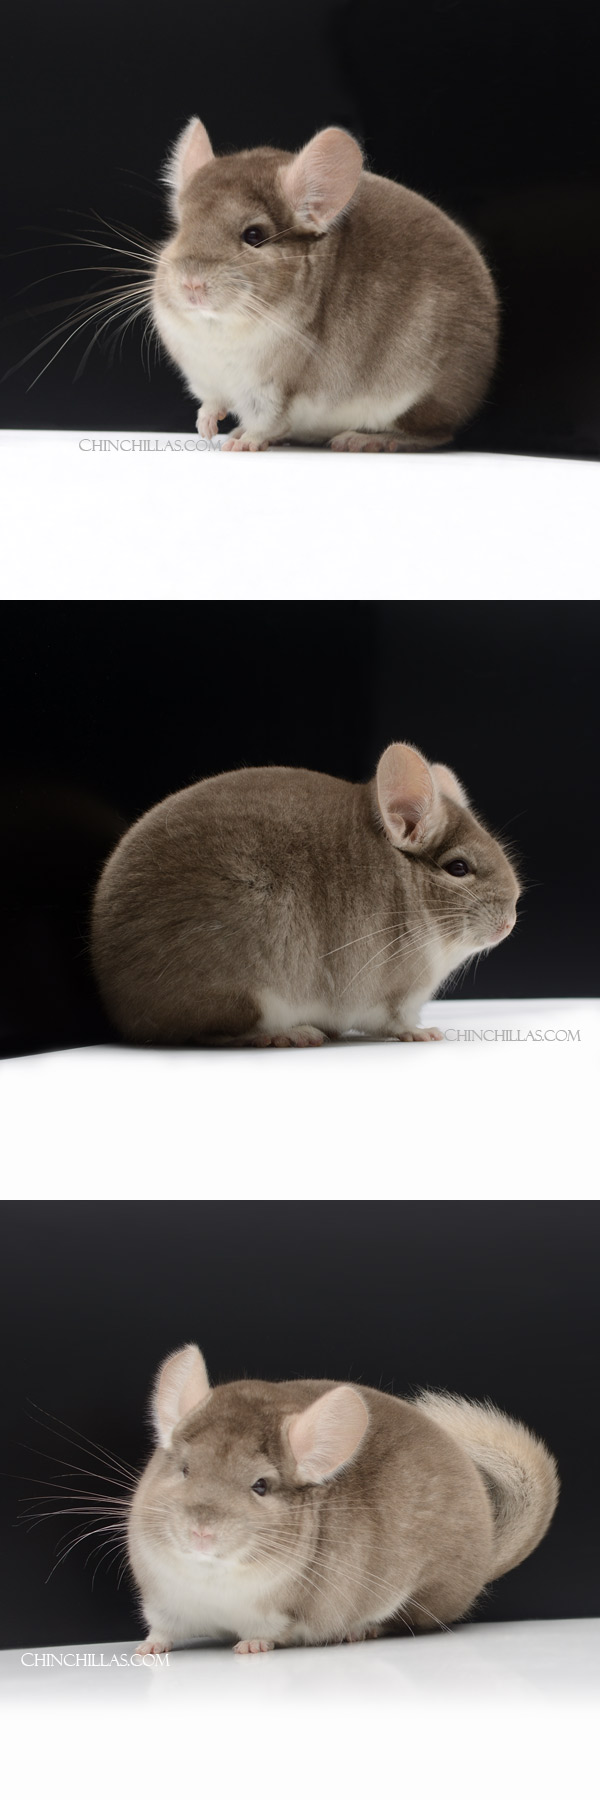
x=365, y=318
x=380, y=1514
x=282, y=906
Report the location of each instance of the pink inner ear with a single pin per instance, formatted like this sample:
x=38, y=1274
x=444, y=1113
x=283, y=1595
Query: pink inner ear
x=197, y=152
x=326, y=1434
x=405, y=792
x=323, y=177
x=182, y=1384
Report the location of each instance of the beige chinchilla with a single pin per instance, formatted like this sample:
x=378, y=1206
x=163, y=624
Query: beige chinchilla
x=279, y=906
x=304, y=1512
x=319, y=302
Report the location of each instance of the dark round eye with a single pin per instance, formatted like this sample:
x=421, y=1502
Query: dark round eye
x=260, y=1487
x=254, y=235
x=184, y=1469
x=457, y=868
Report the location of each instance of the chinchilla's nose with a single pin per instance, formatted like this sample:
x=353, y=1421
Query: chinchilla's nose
x=194, y=289
x=506, y=924
x=203, y=1537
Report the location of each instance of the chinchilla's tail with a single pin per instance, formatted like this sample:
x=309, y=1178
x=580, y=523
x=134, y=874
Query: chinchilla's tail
x=519, y=1472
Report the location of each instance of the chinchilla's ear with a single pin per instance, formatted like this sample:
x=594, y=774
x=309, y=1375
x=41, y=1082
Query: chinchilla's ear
x=408, y=797
x=191, y=151
x=326, y=1434
x=447, y=783
x=181, y=1384
x=323, y=177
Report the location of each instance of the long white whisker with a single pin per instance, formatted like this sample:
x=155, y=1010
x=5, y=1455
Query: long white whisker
x=253, y=307
x=323, y=1588
x=117, y=1476
x=367, y=964
x=79, y=1540
x=79, y=269
x=62, y=347
x=71, y=1432
x=86, y=316
x=357, y=940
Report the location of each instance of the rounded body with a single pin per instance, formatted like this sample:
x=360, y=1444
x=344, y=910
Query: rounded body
x=267, y=900
x=387, y=321
x=402, y=1538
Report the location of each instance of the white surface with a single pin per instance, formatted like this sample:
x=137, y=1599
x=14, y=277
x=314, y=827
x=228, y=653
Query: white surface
x=487, y=1710
x=557, y=1658
x=192, y=524
x=497, y=1119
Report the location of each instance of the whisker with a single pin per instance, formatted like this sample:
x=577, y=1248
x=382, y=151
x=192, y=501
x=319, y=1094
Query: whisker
x=431, y=1615
x=112, y=1554
x=115, y=1479
x=130, y=232
x=80, y=327
x=78, y=269
x=118, y=336
x=122, y=1569
x=79, y=1540
x=119, y=1474
x=253, y=307
x=356, y=940
x=369, y=1581
x=401, y=935
x=106, y=1455
x=86, y=316
x=367, y=964
x=92, y=302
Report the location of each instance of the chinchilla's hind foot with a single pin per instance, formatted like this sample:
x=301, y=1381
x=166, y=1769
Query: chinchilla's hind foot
x=386, y=440
x=300, y=1037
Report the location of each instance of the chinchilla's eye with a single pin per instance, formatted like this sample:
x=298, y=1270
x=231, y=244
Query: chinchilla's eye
x=184, y=1469
x=260, y=1487
x=254, y=235
x=457, y=868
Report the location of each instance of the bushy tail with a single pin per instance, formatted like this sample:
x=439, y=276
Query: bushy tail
x=519, y=1472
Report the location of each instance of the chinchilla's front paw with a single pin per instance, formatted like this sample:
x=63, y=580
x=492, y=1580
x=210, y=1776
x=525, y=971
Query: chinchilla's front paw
x=253, y=1646
x=207, y=420
x=153, y=1646
x=244, y=440
x=418, y=1034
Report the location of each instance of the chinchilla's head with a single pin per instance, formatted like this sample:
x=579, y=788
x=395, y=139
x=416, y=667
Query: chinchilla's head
x=452, y=869
x=238, y=1472
x=247, y=223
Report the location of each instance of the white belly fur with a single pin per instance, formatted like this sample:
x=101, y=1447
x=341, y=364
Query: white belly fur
x=320, y=416
x=280, y=1013
x=226, y=359
x=219, y=357
x=186, y=1598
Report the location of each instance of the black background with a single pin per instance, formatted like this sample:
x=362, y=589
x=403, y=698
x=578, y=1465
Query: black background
x=496, y=1300
x=489, y=109
x=108, y=706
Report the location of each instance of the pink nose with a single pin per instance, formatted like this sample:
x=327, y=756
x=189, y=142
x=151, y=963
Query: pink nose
x=204, y=1538
x=506, y=925
x=194, y=289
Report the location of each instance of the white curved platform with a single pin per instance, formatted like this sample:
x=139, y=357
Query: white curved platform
x=550, y=1659
x=491, y=1710
x=102, y=515
x=348, y=1121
